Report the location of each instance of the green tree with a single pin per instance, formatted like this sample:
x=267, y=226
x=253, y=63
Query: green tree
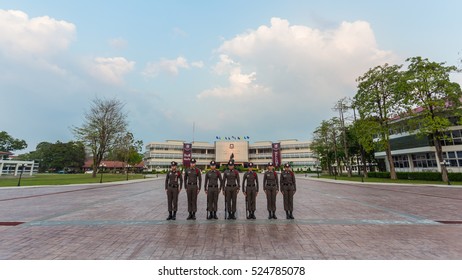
x=379, y=99
x=103, y=126
x=58, y=156
x=326, y=142
x=363, y=131
x=127, y=150
x=430, y=88
x=8, y=143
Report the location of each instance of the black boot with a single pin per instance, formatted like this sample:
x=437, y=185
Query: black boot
x=174, y=215
x=193, y=215
x=210, y=215
x=291, y=215
x=215, y=215
x=287, y=215
x=234, y=215
x=229, y=215
x=253, y=215
x=274, y=215
x=249, y=216
x=270, y=215
x=169, y=215
x=189, y=216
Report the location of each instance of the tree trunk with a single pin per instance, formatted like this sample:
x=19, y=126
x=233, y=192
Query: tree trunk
x=439, y=155
x=363, y=159
x=390, y=162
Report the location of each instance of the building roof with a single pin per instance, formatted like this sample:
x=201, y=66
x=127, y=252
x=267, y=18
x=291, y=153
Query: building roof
x=111, y=164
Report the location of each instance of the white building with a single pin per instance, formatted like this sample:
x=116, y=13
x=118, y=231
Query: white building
x=411, y=153
x=159, y=155
x=15, y=167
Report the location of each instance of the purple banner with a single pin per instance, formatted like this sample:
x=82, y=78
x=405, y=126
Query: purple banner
x=187, y=154
x=276, y=154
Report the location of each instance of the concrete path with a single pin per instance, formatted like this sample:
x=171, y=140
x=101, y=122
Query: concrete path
x=332, y=221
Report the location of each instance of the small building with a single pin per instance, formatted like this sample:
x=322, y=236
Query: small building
x=12, y=167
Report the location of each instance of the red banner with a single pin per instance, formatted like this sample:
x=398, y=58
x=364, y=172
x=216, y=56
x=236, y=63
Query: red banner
x=276, y=154
x=187, y=154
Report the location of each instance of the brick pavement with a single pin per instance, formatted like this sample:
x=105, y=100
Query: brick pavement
x=333, y=221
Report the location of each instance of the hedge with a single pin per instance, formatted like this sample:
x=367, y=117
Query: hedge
x=424, y=176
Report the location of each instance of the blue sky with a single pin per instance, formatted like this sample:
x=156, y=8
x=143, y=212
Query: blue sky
x=267, y=69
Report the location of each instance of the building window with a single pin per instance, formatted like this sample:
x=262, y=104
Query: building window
x=424, y=160
x=400, y=161
x=454, y=158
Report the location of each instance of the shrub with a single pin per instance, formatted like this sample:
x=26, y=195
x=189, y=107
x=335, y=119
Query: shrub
x=378, y=174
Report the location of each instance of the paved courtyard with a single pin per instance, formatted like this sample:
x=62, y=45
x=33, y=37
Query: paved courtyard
x=332, y=221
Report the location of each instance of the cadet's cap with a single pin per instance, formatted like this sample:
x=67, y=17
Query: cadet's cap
x=193, y=160
x=250, y=164
x=270, y=164
x=213, y=163
x=173, y=163
x=286, y=165
x=231, y=162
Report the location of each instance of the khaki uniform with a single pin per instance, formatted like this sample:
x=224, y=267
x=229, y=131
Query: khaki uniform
x=231, y=183
x=288, y=188
x=271, y=188
x=173, y=185
x=212, y=186
x=250, y=188
x=192, y=184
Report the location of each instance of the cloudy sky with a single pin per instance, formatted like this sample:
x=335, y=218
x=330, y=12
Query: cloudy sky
x=267, y=69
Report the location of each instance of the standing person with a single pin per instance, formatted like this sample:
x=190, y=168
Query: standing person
x=173, y=185
x=212, y=187
x=192, y=184
x=271, y=188
x=250, y=190
x=288, y=189
x=231, y=183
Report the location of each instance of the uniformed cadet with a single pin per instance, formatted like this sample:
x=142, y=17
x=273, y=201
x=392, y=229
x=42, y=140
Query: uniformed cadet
x=212, y=187
x=173, y=185
x=250, y=190
x=231, y=183
x=271, y=188
x=192, y=184
x=288, y=189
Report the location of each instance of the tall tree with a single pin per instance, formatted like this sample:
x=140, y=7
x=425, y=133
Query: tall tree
x=430, y=89
x=326, y=145
x=103, y=126
x=379, y=99
x=8, y=143
x=342, y=108
x=58, y=156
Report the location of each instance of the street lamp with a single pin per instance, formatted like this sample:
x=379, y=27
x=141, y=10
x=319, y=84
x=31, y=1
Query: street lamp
x=446, y=164
x=101, y=165
x=317, y=168
x=335, y=170
x=20, y=175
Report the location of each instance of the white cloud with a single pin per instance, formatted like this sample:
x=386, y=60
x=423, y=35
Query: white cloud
x=290, y=70
x=111, y=70
x=118, y=43
x=169, y=66
x=239, y=84
x=197, y=64
x=21, y=35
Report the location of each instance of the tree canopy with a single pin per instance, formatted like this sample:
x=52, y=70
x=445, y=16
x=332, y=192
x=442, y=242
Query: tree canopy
x=103, y=126
x=8, y=143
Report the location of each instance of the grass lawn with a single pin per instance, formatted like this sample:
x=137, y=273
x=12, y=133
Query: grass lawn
x=65, y=179
x=384, y=180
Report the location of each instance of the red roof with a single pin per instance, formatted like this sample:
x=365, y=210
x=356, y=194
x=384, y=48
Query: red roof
x=110, y=164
